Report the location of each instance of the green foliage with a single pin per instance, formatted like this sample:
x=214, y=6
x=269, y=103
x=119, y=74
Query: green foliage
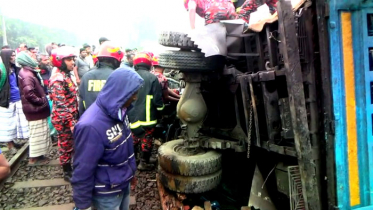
x=19, y=31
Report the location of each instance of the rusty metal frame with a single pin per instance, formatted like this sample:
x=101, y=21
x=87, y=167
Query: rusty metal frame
x=305, y=153
x=247, y=101
x=322, y=12
x=272, y=48
x=255, y=110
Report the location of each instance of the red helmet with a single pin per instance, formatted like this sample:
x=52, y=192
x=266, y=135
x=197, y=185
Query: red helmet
x=142, y=57
x=61, y=53
x=155, y=61
x=110, y=50
x=151, y=54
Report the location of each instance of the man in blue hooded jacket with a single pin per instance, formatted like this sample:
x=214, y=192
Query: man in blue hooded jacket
x=104, y=161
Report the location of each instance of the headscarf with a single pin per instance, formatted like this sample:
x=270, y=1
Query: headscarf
x=24, y=59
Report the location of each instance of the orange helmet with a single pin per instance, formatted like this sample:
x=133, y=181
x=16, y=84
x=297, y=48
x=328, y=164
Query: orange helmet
x=61, y=53
x=142, y=58
x=155, y=61
x=109, y=50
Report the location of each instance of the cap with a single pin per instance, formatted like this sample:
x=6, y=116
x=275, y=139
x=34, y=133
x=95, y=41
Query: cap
x=103, y=39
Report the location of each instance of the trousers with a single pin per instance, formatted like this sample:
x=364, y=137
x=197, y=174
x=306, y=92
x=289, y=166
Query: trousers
x=116, y=202
x=146, y=142
x=65, y=143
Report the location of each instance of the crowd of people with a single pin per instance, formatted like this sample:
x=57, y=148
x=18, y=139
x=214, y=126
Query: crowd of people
x=100, y=108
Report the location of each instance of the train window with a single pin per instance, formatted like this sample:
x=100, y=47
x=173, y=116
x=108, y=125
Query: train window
x=370, y=24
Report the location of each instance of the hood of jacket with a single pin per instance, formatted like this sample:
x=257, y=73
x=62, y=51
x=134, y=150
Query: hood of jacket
x=119, y=87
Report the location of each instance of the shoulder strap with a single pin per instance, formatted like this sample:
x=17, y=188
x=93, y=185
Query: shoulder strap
x=57, y=76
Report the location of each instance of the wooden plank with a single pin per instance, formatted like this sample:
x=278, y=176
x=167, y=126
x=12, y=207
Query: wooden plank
x=15, y=163
x=40, y=183
x=18, y=156
x=290, y=51
x=56, y=207
x=51, y=163
x=168, y=200
x=162, y=194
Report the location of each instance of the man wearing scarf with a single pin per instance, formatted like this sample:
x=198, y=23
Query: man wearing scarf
x=35, y=106
x=45, y=72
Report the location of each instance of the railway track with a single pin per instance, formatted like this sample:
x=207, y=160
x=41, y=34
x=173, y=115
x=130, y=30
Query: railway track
x=14, y=163
x=42, y=187
x=39, y=187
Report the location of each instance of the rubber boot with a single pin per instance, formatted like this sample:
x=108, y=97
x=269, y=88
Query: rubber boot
x=67, y=172
x=144, y=162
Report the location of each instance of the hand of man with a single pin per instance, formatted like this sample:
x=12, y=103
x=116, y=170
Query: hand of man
x=133, y=183
x=72, y=129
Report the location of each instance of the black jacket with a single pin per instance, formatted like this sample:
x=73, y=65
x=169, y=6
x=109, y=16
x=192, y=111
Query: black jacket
x=91, y=84
x=149, y=103
x=5, y=90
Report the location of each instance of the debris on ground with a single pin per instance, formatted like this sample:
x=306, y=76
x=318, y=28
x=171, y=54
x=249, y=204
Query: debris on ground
x=146, y=191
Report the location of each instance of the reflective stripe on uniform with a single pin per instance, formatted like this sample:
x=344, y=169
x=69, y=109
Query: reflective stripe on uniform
x=160, y=108
x=148, y=101
x=142, y=123
x=147, y=113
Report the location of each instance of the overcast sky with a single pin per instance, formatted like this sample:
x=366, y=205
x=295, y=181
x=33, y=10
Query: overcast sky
x=117, y=20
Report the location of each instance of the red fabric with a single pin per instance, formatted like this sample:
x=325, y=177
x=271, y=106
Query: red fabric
x=65, y=143
x=161, y=79
x=250, y=6
x=215, y=10
x=146, y=141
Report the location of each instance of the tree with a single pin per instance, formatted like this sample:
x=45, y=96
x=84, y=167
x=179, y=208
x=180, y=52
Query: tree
x=19, y=31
